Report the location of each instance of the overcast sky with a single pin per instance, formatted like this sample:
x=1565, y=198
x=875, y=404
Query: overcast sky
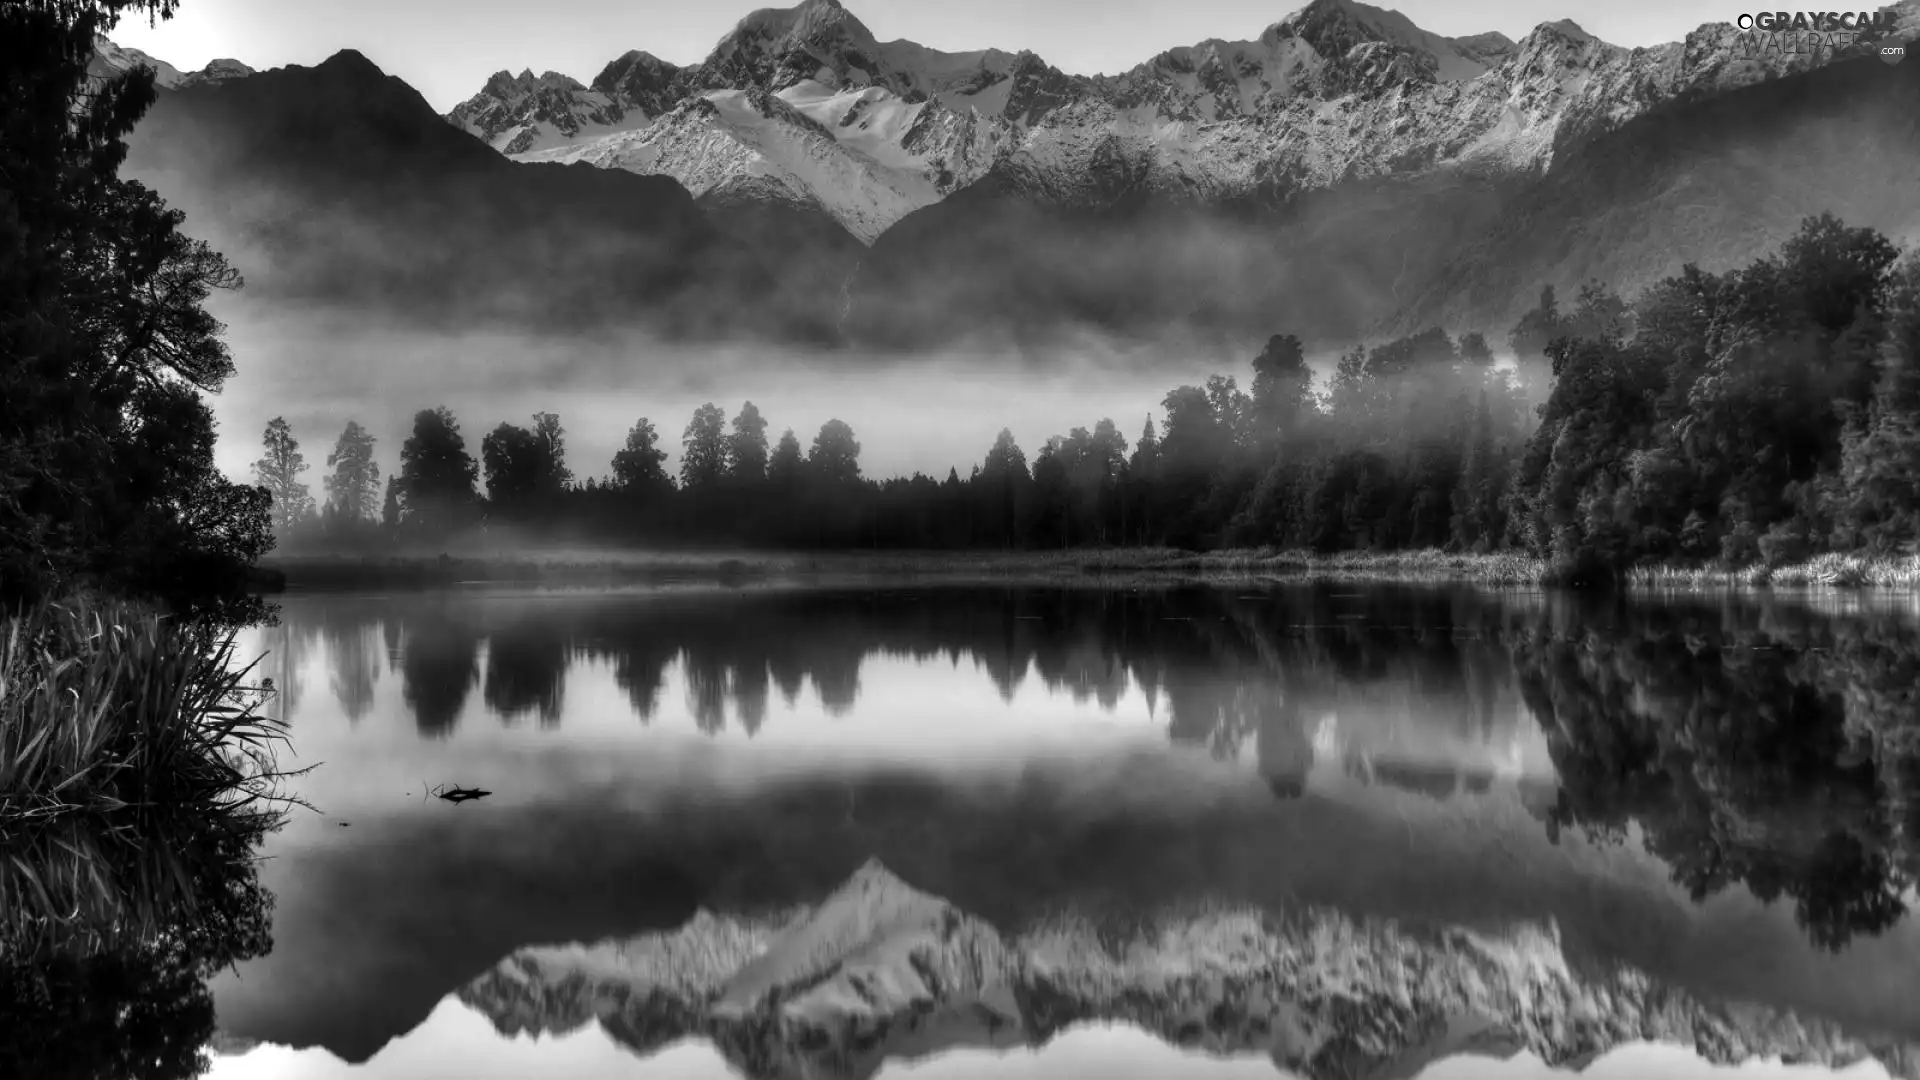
x=447, y=48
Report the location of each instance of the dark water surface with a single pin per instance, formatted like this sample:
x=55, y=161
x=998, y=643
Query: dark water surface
x=1330, y=832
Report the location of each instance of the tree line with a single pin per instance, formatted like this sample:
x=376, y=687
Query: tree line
x=1762, y=414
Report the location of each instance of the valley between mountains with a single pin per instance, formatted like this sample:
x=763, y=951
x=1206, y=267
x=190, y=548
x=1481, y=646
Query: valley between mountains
x=1341, y=174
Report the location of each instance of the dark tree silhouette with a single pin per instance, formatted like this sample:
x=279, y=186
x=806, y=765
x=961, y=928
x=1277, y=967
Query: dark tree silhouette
x=437, y=474
x=108, y=344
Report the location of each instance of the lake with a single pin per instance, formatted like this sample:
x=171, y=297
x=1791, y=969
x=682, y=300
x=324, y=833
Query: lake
x=980, y=830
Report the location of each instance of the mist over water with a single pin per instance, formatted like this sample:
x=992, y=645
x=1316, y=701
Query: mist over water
x=911, y=411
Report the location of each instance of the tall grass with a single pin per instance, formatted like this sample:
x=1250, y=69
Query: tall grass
x=133, y=759
x=1837, y=570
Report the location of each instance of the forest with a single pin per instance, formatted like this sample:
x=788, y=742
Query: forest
x=1756, y=416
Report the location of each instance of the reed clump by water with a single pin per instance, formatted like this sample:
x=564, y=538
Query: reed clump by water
x=1834, y=570
x=133, y=754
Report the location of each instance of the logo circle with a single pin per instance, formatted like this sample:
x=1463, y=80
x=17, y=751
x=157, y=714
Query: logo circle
x=1744, y=22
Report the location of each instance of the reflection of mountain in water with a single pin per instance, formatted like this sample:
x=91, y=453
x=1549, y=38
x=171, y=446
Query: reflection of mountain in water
x=1768, y=745
x=880, y=971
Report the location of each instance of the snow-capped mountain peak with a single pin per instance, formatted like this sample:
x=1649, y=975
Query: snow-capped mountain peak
x=804, y=106
x=774, y=48
x=642, y=80
x=1335, y=27
x=526, y=113
x=1336, y=89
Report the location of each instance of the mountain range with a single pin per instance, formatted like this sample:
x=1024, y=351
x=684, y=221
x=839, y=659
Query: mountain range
x=1342, y=174
x=881, y=971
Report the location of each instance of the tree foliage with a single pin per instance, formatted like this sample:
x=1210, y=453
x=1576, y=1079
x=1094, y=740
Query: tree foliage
x=353, y=488
x=106, y=463
x=278, y=470
x=437, y=474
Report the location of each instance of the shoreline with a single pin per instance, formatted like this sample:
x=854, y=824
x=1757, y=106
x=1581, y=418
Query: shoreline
x=588, y=569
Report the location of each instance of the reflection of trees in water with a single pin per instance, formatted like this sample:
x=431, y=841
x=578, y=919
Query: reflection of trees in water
x=439, y=658
x=286, y=648
x=1224, y=673
x=122, y=992
x=748, y=685
x=1754, y=745
x=526, y=672
x=706, y=676
x=353, y=660
x=1767, y=746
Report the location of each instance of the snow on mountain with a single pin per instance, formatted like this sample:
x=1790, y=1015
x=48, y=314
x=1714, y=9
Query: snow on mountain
x=881, y=970
x=110, y=59
x=804, y=106
x=525, y=113
x=1333, y=93
x=1302, y=54
x=803, y=99
x=641, y=80
x=724, y=136
x=1336, y=90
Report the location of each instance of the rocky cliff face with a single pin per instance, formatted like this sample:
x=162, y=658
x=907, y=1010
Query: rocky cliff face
x=880, y=970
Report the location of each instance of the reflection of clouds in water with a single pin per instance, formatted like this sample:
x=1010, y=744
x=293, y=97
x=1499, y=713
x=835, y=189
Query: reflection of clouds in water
x=457, y=1042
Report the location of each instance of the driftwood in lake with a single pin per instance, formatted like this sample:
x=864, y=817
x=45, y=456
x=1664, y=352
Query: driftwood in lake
x=457, y=794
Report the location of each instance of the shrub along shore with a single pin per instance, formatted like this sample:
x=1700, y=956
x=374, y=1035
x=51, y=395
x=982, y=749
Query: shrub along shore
x=131, y=745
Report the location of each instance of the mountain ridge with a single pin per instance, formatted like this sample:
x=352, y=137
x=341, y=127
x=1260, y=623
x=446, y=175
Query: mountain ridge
x=1344, y=175
x=338, y=185
x=1219, y=119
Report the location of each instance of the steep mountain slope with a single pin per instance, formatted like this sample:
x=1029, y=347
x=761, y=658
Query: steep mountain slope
x=1717, y=182
x=812, y=254
x=880, y=970
x=1714, y=178
x=517, y=114
x=339, y=185
x=728, y=136
x=805, y=98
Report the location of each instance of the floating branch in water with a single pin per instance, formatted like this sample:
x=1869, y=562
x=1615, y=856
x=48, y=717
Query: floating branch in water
x=457, y=794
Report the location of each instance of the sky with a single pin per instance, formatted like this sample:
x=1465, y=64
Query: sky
x=446, y=49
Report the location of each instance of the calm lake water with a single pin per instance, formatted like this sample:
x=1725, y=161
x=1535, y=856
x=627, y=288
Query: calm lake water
x=949, y=831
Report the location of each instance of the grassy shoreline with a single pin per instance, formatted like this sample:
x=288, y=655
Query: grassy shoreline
x=587, y=569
